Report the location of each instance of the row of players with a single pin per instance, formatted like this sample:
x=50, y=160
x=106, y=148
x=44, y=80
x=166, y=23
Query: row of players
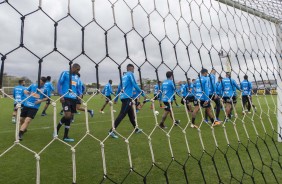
x=200, y=92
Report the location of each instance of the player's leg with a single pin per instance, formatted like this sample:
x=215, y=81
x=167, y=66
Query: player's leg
x=218, y=107
x=103, y=107
x=68, y=115
x=194, y=113
x=46, y=107
x=167, y=110
x=14, y=114
x=29, y=115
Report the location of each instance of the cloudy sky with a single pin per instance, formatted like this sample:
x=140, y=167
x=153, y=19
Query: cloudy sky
x=167, y=29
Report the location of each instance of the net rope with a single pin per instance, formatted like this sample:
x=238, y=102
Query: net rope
x=248, y=46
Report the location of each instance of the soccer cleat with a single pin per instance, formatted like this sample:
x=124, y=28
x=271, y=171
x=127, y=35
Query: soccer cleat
x=102, y=112
x=163, y=126
x=72, y=120
x=77, y=113
x=13, y=120
x=177, y=122
x=43, y=114
x=61, y=113
x=91, y=113
x=193, y=126
x=146, y=100
x=137, y=110
x=66, y=139
x=206, y=121
x=138, y=130
x=216, y=123
x=113, y=135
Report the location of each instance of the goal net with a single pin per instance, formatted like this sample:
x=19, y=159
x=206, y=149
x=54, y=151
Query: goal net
x=232, y=38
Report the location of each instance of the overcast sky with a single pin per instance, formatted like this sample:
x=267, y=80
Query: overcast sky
x=204, y=26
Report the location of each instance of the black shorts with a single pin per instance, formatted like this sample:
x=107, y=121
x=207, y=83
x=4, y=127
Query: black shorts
x=167, y=106
x=28, y=112
x=48, y=101
x=70, y=105
x=190, y=98
x=108, y=98
x=78, y=101
x=246, y=99
x=202, y=103
x=230, y=100
x=15, y=107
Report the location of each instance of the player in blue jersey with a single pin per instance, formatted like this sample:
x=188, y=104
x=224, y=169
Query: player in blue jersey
x=229, y=87
x=50, y=88
x=68, y=98
x=19, y=96
x=213, y=95
x=78, y=100
x=218, y=87
x=168, y=91
x=202, y=99
x=32, y=104
x=157, y=94
x=246, y=88
x=107, y=91
x=126, y=86
x=187, y=94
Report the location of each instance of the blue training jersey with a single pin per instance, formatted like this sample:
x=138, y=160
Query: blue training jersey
x=168, y=90
x=128, y=83
x=18, y=93
x=49, y=87
x=212, y=87
x=34, y=96
x=184, y=90
x=218, y=87
x=229, y=87
x=201, y=88
x=156, y=89
x=107, y=91
x=191, y=90
x=63, y=85
x=246, y=88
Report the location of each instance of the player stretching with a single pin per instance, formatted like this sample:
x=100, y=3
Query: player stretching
x=157, y=94
x=18, y=95
x=107, y=91
x=246, y=88
x=127, y=84
x=202, y=96
x=168, y=90
x=69, y=100
x=229, y=94
x=50, y=88
x=32, y=104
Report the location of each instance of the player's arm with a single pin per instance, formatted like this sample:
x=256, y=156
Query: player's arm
x=236, y=85
x=135, y=85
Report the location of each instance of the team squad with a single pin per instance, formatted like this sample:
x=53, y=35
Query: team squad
x=199, y=92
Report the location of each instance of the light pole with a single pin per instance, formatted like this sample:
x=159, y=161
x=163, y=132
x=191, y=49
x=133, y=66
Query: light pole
x=223, y=54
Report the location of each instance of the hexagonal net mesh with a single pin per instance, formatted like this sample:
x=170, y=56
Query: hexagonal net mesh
x=231, y=39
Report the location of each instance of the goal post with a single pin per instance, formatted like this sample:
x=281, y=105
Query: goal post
x=279, y=82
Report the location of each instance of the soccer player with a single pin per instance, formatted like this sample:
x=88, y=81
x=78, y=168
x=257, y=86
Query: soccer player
x=157, y=94
x=50, y=88
x=78, y=99
x=246, y=88
x=69, y=100
x=201, y=88
x=187, y=94
x=107, y=91
x=32, y=104
x=229, y=93
x=213, y=95
x=168, y=90
x=19, y=96
x=127, y=84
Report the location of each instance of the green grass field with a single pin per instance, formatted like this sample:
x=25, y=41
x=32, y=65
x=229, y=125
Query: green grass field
x=255, y=158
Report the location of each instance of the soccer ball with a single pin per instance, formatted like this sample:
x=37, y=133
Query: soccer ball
x=156, y=113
